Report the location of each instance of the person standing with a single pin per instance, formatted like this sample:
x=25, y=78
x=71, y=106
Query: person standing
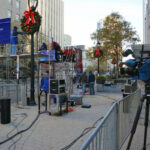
x=43, y=47
x=14, y=40
x=44, y=85
x=91, y=83
x=83, y=80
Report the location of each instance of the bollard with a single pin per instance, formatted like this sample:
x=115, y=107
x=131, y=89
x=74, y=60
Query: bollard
x=5, y=111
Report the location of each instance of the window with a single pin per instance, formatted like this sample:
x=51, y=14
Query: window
x=9, y=1
x=17, y=4
x=9, y=14
x=17, y=17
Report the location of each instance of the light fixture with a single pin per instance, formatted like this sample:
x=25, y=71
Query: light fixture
x=33, y=3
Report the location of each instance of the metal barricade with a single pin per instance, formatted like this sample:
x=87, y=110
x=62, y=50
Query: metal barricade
x=114, y=129
x=16, y=92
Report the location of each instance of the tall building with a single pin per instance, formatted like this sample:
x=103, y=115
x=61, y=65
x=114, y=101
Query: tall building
x=146, y=21
x=52, y=12
x=67, y=40
x=13, y=9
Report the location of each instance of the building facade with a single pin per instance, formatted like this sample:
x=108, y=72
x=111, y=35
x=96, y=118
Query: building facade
x=146, y=21
x=52, y=28
x=67, y=40
x=13, y=9
x=52, y=12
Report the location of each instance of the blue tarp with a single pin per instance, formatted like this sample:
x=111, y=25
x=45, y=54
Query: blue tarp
x=130, y=63
x=5, y=25
x=46, y=52
x=144, y=71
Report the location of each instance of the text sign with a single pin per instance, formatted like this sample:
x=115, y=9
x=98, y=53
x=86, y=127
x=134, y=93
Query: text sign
x=5, y=27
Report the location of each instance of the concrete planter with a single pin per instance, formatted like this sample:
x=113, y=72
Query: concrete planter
x=99, y=87
x=111, y=88
x=100, y=81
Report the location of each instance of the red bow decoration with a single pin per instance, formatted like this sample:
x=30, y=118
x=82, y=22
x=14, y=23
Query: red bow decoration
x=29, y=15
x=54, y=43
x=97, y=52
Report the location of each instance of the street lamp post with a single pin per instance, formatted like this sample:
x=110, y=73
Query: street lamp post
x=33, y=4
x=98, y=43
x=98, y=59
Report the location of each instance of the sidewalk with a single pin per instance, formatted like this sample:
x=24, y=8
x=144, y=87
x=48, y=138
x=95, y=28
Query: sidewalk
x=138, y=139
x=55, y=132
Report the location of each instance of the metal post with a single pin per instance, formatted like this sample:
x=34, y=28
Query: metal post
x=98, y=65
x=32, y=99
x=17, y=69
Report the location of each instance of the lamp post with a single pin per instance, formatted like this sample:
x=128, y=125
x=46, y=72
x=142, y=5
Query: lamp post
x=98, y=47
x=98, y=43
x=33, y=4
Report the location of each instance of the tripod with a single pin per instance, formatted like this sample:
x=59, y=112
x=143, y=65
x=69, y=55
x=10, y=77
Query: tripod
x=147, y=98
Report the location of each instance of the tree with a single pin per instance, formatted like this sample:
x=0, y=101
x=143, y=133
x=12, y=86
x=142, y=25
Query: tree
x=116, y=32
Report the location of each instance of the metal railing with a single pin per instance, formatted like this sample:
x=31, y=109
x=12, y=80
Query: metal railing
x=114, y=129
x=16, y=92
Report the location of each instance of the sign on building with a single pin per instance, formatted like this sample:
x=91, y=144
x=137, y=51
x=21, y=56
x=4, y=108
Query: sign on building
x=5, y=27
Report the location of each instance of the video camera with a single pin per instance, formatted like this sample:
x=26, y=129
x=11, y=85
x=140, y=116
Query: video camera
x=139, y=66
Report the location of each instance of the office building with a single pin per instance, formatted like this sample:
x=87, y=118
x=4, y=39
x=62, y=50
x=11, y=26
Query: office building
x=146, y=21
x=13, y=9
x=52, y=12
x=67, y=40
x=52, y=28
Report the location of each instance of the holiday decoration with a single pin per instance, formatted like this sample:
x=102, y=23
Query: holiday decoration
x=98, y=52
x=31, y=21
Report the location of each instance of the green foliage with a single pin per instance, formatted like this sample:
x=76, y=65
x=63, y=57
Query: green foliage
x=115, y=32
x=90, y=68
x=101, y=77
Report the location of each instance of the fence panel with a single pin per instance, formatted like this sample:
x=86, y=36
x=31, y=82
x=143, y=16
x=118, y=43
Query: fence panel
x=13, y=91
x=113, y=130
x=127, y=108
x=104, y=136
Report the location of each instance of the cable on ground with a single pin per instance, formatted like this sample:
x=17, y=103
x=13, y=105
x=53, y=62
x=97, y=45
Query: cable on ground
x=16, y=128
x=10, y=138
x=84, y=132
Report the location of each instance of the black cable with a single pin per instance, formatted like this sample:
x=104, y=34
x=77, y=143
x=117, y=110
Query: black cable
x=16, y=127
x=27, y=138
x=84, y=132
x=11, y=131
x=2, y=142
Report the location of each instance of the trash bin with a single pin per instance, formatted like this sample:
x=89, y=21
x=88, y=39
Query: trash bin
x=5, y=111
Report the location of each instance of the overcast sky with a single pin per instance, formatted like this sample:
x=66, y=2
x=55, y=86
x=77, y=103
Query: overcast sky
x=81, y=16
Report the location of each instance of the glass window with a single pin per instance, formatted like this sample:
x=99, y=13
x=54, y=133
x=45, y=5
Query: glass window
x=17, y=17
x=17, y=4
x=9, y=1
x=9, y=14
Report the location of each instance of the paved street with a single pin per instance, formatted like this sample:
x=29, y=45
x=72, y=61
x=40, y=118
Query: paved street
x=56, y=132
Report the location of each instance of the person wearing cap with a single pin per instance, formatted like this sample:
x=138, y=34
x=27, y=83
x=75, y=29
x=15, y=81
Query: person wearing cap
x=43, y=47
x=14, y=40
x=44, y=85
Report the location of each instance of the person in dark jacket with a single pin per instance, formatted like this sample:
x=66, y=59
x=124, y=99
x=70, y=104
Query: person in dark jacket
x=43, y=47
x=83, y=80
x=14, y=40
x=44, y=85
x=91, y=83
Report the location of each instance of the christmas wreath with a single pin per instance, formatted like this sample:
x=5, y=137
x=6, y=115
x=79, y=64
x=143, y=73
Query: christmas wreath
x=31, y=21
